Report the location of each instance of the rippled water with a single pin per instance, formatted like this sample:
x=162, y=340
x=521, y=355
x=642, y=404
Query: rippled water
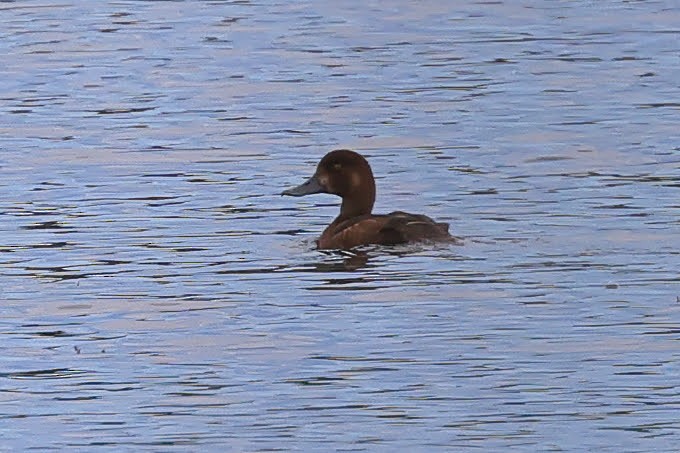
x=158, y=293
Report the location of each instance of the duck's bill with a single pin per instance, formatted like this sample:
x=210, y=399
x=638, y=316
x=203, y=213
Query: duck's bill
x=307, y=188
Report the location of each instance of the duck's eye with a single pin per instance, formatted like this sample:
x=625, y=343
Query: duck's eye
x=337, y=166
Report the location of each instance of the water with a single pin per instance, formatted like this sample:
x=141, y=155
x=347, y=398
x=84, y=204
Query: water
x=158, y=294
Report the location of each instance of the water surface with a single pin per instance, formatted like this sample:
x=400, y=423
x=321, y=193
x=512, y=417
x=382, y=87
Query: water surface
x=158, y=293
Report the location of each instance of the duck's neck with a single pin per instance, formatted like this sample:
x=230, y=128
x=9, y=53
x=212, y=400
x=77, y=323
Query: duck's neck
x=357, y=204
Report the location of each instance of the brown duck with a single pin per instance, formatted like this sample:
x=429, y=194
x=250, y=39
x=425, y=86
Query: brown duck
x=348, y=175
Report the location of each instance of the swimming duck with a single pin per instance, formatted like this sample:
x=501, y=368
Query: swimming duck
x=347, y=174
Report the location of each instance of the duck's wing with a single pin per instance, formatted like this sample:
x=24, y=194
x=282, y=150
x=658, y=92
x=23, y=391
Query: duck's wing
x=405, y=227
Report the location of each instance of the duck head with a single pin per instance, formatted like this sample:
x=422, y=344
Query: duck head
x=346, y=174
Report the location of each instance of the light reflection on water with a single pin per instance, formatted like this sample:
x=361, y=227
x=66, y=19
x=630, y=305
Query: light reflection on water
x=158, y=293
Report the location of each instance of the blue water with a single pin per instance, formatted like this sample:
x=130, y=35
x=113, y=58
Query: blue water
x=159, y=295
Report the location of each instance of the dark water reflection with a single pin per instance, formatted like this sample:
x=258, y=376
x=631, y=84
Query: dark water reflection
x=159, y=294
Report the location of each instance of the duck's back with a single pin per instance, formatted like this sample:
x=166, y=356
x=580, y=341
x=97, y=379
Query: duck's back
x=387, y=229
x=401, y=227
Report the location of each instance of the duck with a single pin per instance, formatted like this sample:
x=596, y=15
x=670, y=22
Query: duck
x=347, y=174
